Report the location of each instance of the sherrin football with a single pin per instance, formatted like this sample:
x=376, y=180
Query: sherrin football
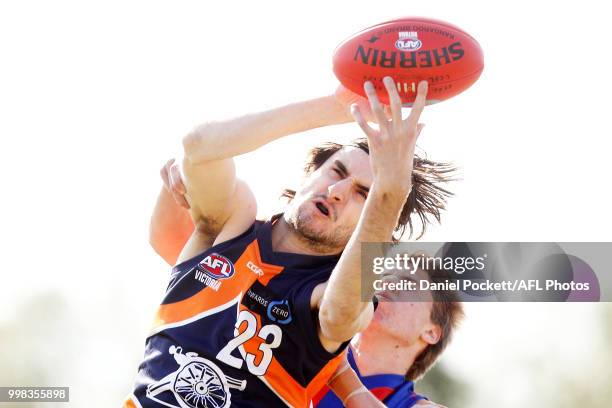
x=410, y=50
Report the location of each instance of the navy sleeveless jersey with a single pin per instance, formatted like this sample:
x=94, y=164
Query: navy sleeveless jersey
x=235, y=329
x=392, y=389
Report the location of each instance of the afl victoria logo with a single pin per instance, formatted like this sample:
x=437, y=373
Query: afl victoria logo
x=216, y=266
x=408, y=41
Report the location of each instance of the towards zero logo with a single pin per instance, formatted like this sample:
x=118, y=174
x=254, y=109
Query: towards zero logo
x=279, y=312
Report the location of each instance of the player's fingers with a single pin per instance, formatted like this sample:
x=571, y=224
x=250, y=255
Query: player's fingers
x=177, y=181
x=394, y=100
x=177, y=187
x=363, y=124
x=419, y=103
x=181, y=200
x=420, y=128
x=164, y=173
x=387, y=110
x=375, y=105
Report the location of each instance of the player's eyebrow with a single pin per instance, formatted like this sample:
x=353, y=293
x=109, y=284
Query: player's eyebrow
x=345, y=173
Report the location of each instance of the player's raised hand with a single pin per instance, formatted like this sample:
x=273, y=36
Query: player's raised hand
x=347, y=98
x=392, y=144
x=171, y=175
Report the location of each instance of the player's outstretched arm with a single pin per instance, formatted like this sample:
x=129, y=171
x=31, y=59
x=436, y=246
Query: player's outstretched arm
x=229, y=138
x=218, y=201
x=341, y=311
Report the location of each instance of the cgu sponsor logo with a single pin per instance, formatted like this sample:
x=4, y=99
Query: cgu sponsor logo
x=258, y=271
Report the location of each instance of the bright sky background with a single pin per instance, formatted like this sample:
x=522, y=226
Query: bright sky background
x=96, y=96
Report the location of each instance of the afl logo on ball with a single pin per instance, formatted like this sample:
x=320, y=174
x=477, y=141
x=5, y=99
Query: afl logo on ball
x=408, y=41
x=216, y=266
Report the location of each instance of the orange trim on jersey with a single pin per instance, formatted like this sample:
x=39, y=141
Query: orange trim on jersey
x=323, y=376
x=251, y=254
x=128, y=403
x=269, y=270
x=208, y=298
x=290, y=390
x=320, y=394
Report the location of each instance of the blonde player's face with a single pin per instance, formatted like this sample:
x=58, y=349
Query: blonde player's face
x=398, y=314
x=328, y=205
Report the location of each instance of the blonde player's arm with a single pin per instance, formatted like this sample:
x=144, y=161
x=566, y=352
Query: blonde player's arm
x=348, y=388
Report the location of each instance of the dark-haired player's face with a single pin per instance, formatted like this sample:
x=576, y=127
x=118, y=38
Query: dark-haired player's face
x=328, y=205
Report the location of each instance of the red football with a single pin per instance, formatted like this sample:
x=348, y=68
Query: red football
x=410, y=50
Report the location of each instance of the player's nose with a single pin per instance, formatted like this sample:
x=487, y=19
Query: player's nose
x=338, y=192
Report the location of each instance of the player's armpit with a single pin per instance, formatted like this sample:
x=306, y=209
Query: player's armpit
x=172, y=225
x=209, y=186
x=242, y=209
x=243, y=213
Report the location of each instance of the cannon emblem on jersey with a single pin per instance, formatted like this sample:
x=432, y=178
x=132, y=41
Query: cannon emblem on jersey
x=197, y=383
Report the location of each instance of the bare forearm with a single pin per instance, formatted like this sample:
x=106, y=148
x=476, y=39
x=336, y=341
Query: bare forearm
x=364, y=400
x=170, y=228
x=225, y=139
x=342, y=300
x=349, y=389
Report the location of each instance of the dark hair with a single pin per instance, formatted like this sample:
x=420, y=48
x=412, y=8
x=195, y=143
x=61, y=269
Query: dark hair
x=426, y=199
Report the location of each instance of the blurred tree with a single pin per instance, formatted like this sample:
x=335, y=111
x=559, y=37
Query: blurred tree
x=34, y=345
x=571, y=387
x=441, y=386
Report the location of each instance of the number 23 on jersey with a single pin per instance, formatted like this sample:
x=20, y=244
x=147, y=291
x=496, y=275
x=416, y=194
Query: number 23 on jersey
x=265, y=348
